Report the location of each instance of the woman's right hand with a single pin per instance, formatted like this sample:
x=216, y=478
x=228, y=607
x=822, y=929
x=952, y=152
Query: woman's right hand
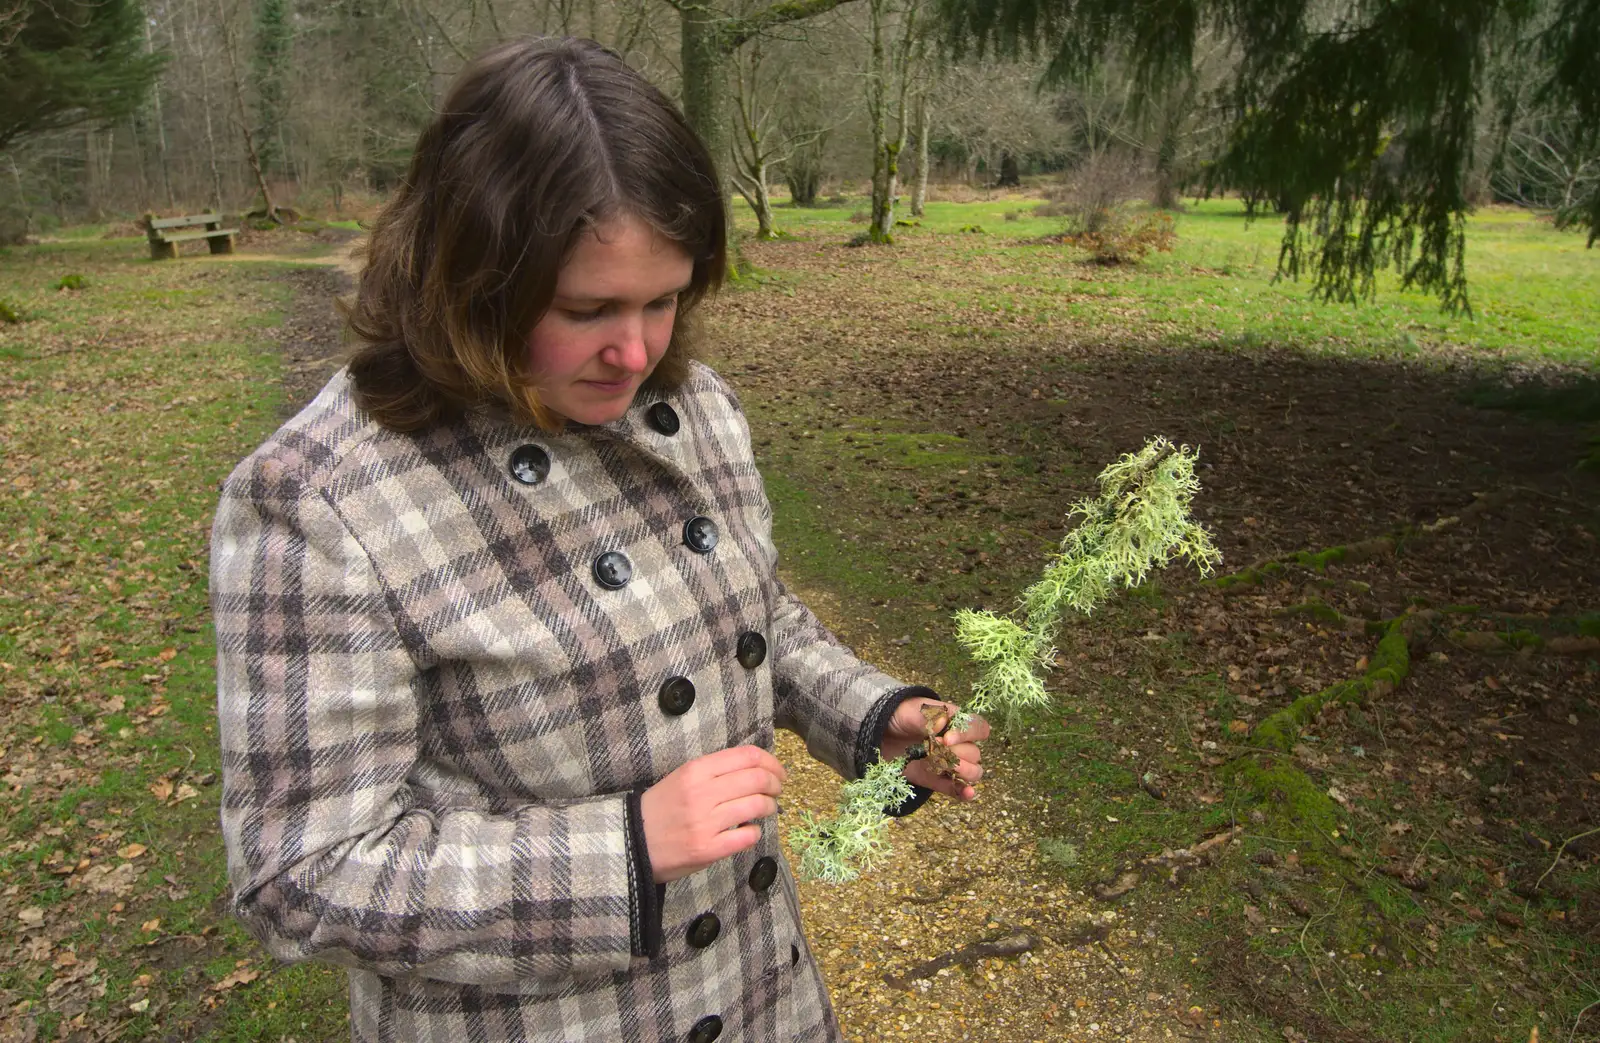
x=707, y=809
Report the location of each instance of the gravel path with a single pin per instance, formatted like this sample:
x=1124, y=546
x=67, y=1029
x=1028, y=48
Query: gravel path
x=962, y=875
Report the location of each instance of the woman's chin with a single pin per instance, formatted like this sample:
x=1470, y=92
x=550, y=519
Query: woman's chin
x=594, y=414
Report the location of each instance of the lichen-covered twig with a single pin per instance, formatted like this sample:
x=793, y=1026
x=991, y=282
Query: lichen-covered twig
x=838, y=849
x=1139, y=522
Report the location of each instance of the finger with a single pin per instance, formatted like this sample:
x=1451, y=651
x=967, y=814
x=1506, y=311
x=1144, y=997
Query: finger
x=740, y=758
x=969, y=771
x=753, y=808
x=731, y=842
x=977, y=731
x=920, y=773
x=743, y=784
x=967, y=751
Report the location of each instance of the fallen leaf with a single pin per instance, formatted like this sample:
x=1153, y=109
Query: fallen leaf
x=239, y=977
x=1397, y=828
x=140, y=1006
x=151, y=925
x=1237, y=727
x=162, y=789
x=131, y=851
x=32, y=916
x=167, y=655
x=186, y=792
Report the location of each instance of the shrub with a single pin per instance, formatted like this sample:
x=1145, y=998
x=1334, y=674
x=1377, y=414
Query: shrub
x=9, y=313
x=73, y=281
x=1013, y=215
x=1124, y=238
x=860, y=217
x=1094, y=192
x=974, y=229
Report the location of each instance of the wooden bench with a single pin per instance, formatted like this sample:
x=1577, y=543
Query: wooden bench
x=165, y=233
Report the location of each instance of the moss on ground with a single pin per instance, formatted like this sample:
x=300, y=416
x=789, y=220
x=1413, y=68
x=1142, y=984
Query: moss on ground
x=1389, y=666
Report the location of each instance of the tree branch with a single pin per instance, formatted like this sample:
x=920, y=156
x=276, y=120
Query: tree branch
x=736, y=31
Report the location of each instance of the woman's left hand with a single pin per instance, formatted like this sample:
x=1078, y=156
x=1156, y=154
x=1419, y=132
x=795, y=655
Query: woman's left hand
x=906, y=729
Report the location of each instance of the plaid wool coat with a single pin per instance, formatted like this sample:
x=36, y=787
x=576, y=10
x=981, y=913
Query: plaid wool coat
x=449, y=662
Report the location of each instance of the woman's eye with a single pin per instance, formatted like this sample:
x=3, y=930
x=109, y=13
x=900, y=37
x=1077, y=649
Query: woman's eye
x=586, y=316
x=665, y=303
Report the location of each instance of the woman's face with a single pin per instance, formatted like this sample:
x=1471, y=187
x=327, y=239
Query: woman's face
x=611, y=320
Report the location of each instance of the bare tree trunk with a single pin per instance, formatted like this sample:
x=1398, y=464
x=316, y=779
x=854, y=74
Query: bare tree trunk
x=882, y=228
x=161, y=126
x=752, y=154
x=269, y=209
x=886, y=150
x=919, y=188
x=199, y=56
x=22, y=196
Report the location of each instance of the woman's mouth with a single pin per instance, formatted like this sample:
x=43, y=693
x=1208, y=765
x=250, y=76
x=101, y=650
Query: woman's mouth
x=610, y=387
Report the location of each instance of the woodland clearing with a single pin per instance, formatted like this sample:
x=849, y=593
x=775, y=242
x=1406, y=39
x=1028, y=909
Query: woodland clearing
x=1179, y=858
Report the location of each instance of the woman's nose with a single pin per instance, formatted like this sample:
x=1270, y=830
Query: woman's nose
x=627, y=349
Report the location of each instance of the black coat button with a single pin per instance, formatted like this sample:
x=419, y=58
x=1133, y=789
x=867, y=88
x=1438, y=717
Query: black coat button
x=751, y=650
x=613, y=570
x=703, y=930
x=700, y=534
x=794, y=955
x=530, y=464
x=676, y=696
x=664, y=418
x=706, y=1029
x=764, y=872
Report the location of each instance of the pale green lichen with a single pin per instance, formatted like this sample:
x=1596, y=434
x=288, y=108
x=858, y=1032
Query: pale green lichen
x=1138, y=523
x=838, y=849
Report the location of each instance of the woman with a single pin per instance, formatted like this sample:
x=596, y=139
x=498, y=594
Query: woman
x=501, y=642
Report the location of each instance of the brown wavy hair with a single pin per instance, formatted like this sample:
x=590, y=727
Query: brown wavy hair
x=536, y=142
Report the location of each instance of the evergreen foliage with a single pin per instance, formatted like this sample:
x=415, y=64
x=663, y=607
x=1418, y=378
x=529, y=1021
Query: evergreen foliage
x=1358, y=119
x=269, y=66
x=72, y=62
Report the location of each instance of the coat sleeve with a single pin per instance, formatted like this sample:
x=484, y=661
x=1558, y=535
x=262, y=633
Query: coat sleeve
x=330, y=853
x=821, y=691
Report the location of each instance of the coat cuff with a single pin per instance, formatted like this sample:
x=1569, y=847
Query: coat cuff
x=648, y=897
x=869, y=741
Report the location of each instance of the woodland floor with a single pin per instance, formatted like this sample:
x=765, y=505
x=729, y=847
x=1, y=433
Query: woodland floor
x=923, y=417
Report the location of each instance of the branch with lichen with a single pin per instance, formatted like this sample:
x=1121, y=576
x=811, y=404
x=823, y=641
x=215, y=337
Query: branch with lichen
x=838, y=849
x=1139, y=523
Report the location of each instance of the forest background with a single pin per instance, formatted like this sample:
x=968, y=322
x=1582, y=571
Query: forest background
x=117, y=108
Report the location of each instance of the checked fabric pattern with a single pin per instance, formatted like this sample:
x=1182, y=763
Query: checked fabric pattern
x=432, y=715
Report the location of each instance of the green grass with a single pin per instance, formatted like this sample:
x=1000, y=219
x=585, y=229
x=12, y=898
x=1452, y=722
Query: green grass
x=129, y=399
x=1532, y=288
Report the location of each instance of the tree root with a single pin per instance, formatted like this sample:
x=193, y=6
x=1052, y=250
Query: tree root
x=1390, y=665
x=1171, y=863
x=1373, y=547
x=1008, y=943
